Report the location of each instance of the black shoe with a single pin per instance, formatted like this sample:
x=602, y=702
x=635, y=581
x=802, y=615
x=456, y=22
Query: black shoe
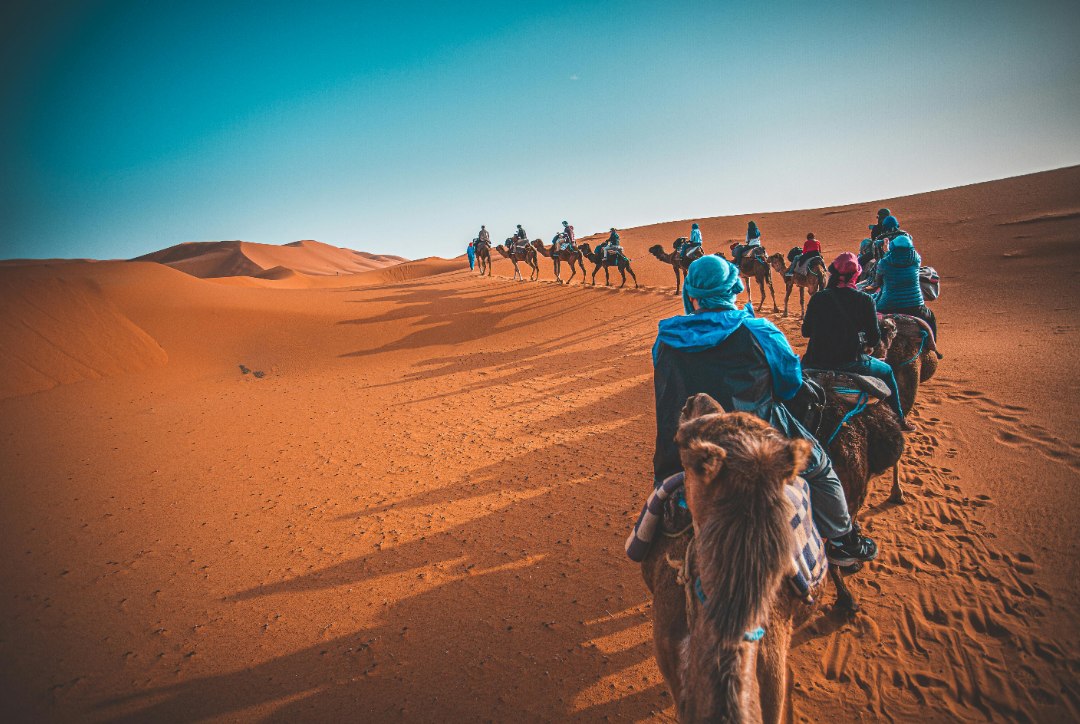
x=853, y=548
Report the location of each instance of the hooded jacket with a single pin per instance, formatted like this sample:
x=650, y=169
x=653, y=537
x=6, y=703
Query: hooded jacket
x=743, y=362
x=695, y=237
x=898, y=276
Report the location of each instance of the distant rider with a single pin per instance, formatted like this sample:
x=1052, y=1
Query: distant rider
x=746, y=364
x=694, y=244
x=811, y=248
x=569, y=242
x=841, y=324
x=753, y=239
x=611, y=246
x=484, y=236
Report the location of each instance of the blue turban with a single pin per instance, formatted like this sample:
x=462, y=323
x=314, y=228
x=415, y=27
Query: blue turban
x=890, y=223
x=713, y=281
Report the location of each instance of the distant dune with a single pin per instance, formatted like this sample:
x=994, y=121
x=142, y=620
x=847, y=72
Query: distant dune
x=212, y=259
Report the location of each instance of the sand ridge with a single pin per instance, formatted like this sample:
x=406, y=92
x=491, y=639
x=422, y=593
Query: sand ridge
x=418, y=512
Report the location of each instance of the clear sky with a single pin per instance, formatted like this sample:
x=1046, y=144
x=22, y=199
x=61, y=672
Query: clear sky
x=400, y=127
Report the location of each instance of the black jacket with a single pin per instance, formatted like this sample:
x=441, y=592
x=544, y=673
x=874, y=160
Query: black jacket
x=735, y=373
x=834, y=319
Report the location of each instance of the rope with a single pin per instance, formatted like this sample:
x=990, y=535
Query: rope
x=860, y=405
x=924, y=335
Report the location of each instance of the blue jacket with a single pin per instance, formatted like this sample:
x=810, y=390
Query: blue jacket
x=695, y=237
x=898, y=276
x=743, y=362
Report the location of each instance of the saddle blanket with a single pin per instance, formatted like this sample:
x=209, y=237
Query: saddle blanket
x=808, y=562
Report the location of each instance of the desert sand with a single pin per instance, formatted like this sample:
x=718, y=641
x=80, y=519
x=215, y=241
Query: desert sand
x=289, y=493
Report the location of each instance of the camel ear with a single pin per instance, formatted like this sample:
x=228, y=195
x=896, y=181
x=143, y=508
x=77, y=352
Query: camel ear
x=703, y=459
x=698, y=405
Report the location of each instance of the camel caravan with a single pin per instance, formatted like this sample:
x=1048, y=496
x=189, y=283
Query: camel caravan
x=763, y=460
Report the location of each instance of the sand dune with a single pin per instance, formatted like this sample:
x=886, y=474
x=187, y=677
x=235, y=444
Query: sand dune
x=416, y=511
x=244, y=258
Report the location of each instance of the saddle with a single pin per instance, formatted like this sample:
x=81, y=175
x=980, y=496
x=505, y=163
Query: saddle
x=848, y=385
x=694, y=253
x=930, y=283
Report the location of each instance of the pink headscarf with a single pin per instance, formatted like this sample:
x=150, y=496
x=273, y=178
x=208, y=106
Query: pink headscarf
x=846, y=269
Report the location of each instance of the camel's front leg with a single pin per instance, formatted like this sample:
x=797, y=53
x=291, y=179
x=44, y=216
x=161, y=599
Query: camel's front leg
x=787, y=298
x=633, y=275
x=802, y=302
x=772, y=670
x=749, y=296
x=607, y=275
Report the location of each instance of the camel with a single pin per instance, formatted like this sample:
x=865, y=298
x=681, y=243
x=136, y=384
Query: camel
x=861, y=447
x=483, y=256
x=740, y=550
x=753, y=265
x=912, y=354
x=558, y=255
x=515, y=254
x=678, y=262
x=808, y=283
x=597, y=259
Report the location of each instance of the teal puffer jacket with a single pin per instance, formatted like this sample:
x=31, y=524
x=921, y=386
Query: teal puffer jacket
x=898, y=275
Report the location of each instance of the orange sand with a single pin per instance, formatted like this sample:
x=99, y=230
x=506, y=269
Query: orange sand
x=418, y=511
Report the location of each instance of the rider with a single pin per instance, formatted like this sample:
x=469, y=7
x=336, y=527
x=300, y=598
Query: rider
x=753, y=239
x=520, y=237
x=694, y=244
x=611, y=246
x=568, y=236
x=877, y=230
x=841, y=322
x=811, y=248
x=897, y=276
x=484, y=236
x=746, y=364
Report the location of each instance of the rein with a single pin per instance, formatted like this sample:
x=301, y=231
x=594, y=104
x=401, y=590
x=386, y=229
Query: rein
x=924, y=335
x=860, y=405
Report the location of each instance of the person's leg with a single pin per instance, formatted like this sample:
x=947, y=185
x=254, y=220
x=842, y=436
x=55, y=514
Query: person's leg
x=826, y=495
x=874, y=367
x=928, y=315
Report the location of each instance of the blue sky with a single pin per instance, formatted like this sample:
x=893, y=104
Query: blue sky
x=401, y=127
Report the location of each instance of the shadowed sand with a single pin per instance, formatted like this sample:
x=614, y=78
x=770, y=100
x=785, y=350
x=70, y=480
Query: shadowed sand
x=418, y=510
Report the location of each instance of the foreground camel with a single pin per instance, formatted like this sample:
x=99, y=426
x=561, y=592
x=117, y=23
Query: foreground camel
x=808, y=283
x=526, y=254
x=912, y=354
x=619, y=261
x=573, y=256
x=483, y=256
x=739, y=554
x=756, y=267
x=678, y=262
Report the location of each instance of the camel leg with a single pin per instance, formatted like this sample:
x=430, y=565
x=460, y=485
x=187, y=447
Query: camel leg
x=787, y=297
x=633, y=275
x=802, y=302
x=749, y=296
x=897, y=494
x=761, y=288
x=607, y=276
x=772, y=670
x=594, y=275
x=678, y=277
x=845, y=602
x=772, y=292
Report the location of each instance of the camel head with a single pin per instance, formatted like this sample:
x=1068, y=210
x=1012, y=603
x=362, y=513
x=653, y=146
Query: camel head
x=736, y=466
x=777, y=262
x=658, y=251
x=888, y=334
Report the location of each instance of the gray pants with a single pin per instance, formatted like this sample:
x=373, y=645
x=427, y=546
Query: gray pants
x=827, y=499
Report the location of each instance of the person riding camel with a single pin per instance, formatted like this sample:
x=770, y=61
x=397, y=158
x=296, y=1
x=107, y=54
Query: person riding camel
x=694, y=245
x=877, y=230
x=842, y=323
x=569, y=242
x=897, y=278
x=811, y=248
x=746, y=364
x=611, y=246
x=753, y=239
x=520, y=239
x=484, y=235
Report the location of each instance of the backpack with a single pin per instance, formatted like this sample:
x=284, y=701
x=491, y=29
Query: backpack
x=808, y=404
x=930, y=283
